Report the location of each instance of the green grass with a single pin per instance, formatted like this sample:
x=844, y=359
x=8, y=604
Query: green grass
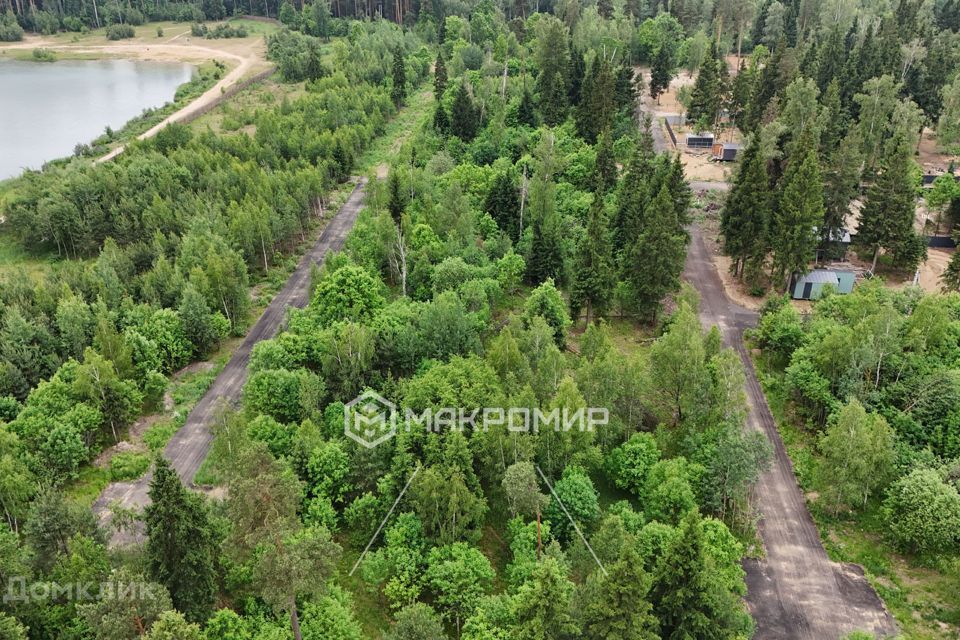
x=923, y=594
x=128, y=466
x=15, y=259
x=88, y=485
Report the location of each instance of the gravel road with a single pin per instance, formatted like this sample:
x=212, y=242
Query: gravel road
x=189, y=446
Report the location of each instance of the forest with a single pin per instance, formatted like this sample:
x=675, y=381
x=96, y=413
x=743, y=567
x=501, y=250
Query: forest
x=522, y=247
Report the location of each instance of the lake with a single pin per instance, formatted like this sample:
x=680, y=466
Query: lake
x=46, y=108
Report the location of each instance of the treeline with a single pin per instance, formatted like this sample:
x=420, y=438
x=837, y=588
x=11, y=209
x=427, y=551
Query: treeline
x=158, y=248
x=876, y=371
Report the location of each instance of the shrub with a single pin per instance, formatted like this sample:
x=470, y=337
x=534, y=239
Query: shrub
x=923, y=512
x=120, y=32
x=128, y=466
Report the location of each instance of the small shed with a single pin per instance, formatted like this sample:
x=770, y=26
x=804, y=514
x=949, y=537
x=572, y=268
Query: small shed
x=810, y=286
x=700, y=141
x=725, y=151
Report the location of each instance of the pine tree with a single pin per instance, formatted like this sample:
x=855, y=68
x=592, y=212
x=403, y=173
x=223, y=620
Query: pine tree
x=605, y=175
x=597, y=108
x=633, y=195
x=396, y=202
x=745, y=218
x=552, y=80
x=798, y=214
x=441, y=123
x=651, y=267
x=526, y=112
x=503, y=204
x=593, y=277
x=615, y=603
x=950, y=280
x=181, y=548
x=887, y=215
x=463, y=115
x=439, y=77
x=705, y=97
x=399, y=90
x=660, y=73
x=578, y=69
x=687, y=598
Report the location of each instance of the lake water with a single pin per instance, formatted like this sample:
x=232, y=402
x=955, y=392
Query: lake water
x=46, y=108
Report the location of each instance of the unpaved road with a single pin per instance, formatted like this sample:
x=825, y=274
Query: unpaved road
x=189, y=446
x=795, y=592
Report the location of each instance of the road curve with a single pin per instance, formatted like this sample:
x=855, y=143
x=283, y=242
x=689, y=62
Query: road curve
x=189, y=445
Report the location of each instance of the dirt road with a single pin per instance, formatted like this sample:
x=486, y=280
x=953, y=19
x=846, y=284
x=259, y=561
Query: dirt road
x=795, y=592
x=189, y=446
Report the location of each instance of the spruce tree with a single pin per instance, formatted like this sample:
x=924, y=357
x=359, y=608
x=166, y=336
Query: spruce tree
x=633, y=195
x=439, y=77
x=597, y=108
x=399, y=90
x=660, y=73
x=593, y=276
x=552, y=61
x=651, y=267
x=441, y=123
x=745, y=219
x=396, y=202
x=578, y=69
x=463, y=115
x=950, y=280
x=526, y=112
x=687, y=598
x=181, y=547
x=888, y=213
x=615, y=602
x=705, y=97
x=545, y=259
x=503, y=204
x=605, y=175
x=798, y=214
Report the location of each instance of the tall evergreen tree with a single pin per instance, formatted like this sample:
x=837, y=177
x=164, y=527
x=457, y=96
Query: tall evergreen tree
x=705, y=97
x=546, y=259
x=593, y=276
x=503, y=204
x=598, y=107
x=888, y=213
x=687, y=597
x=181, y=548
x=463, y=115
x=633, y=195
x=396, y=202
x=605, y=175
x=441, y=122
x=578, y=69
x=526, y=113
x=399, y=90
x=660, y=72
x=798, y=214
x=439, y=76
x=552, y=79
x=651, y=267
x=745, y=219
x=615, y=603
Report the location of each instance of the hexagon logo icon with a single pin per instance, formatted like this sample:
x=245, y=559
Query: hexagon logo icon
x=369, y=419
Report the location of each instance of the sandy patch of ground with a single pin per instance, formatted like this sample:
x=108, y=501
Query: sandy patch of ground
x=931, y=157
x=699, y=166
x=933, y=268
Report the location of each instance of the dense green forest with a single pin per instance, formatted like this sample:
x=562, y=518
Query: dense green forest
x=518, y=187
x=522, y=250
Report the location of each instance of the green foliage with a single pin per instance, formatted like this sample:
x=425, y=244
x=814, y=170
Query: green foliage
x=120, y=32
x=545, y=301
x=349, y=293
x=923, y=512
x=128, y=466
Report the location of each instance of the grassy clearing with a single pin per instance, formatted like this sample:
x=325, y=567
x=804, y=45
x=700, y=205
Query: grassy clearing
x=15, y=259
x=923, y=594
